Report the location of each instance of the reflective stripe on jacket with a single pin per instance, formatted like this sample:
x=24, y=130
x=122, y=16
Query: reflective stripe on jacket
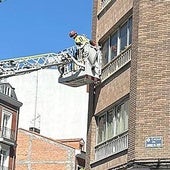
x=81, y=40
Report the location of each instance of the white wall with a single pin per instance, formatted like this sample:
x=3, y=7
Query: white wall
x=62, y=109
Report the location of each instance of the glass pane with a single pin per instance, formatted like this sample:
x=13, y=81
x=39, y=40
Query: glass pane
x=123, y=37
x=126, y=113
x=122, y=112
x=117, y=115
x=105, y=52
x=130, y=31
x=101, y=128
x=122, y=120
x=113, y=45
x=110, y=125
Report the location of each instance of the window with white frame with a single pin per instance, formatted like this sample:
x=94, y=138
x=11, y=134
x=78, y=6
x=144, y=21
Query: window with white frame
x=6, y=123
x=116, y=42
x=4, y=159
x=113, y=122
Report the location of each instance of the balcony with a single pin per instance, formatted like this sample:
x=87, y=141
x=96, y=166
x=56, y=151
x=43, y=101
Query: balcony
x=104, y=3
x=116, y=64
x=5, y=168
x=104, y=6
x=7, y=135
x=112, y=146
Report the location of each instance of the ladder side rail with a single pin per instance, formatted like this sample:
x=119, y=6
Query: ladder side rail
x=16, y=66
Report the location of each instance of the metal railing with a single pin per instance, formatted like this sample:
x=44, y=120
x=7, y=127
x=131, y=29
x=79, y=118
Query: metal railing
x=5, y=168
x=117, y=63
x=104, y=3
x=7, y=133
x=112, y=146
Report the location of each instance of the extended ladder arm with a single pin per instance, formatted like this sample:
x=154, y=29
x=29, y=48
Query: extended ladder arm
x=17, y=66
x=74, y=65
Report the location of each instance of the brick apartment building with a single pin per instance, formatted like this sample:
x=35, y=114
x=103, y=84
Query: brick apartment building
x=9, y=116
x=37, y=152
x=129, y=111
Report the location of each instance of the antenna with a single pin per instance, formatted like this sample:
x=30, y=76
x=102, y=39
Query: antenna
x=36, y=120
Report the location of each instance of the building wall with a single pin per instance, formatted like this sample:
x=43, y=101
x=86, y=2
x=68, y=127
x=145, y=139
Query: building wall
x=62, y=109
x=108, y=19
x=9, y=115
x=75, y=143
x=150, y=80
x=37, y=152
x=112, y=90
x=146, y=81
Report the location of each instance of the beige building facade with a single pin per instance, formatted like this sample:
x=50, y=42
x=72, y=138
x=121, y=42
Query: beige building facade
x=128, y=117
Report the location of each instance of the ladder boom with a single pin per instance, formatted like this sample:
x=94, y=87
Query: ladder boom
x=16, y=66
x=77, y=66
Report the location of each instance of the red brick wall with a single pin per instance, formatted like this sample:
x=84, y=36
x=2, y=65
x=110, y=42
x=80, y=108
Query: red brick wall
x=110, y=92
x=77, y=144
x=104, y=97
x=39, y=152
x=150, y=79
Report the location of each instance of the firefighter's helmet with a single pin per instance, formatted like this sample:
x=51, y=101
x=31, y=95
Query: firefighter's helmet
x=72, y=33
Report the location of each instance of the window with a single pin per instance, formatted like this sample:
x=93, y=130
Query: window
x=117, y=42
x=110, y=125
x=113, y=43
x=6, y=124
x=101, y=128
x=121, y=115
x=113, y=122
x=4, y=158
x=130, y=31
x=123, y=37
x=105, y=52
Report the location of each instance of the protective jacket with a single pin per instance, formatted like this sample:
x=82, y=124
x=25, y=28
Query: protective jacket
x=81, y=40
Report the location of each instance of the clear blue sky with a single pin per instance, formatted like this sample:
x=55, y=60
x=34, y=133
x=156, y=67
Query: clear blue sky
x=29, y=27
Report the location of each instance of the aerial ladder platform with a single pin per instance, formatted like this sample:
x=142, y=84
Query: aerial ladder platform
x=77, y=67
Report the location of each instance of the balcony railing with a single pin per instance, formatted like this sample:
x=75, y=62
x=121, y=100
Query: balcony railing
x=104, y=3
x=7, y=133
x=110, y=147
x=5, y=168
x=116, y=63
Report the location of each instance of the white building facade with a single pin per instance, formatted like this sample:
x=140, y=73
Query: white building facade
x=59, y=111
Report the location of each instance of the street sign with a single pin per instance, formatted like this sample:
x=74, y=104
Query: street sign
x=154, y=142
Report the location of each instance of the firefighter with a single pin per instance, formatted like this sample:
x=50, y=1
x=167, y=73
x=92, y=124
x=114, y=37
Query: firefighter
x=80, y=40
x=85, y=46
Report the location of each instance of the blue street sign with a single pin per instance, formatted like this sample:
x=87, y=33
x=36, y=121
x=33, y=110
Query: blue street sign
x=154, y=142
